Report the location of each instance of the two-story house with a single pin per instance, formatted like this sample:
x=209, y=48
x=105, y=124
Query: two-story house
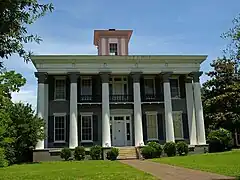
x=117, y=99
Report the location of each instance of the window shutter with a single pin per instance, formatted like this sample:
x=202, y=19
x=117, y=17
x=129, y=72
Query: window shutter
x=142, y=88
x=51, y=87
x=157, y=86
x=67, y=89
x=185, y=126
x=130, y=88
x=67, y=127
x=79, y=129
x=79, y=89
x=144, y=124
x=95, y=128
x=50, y=129
x=160, y=126
x=182, y=86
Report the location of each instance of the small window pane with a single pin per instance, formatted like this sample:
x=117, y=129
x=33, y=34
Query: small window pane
x=86, y=86
x=149, y=86
x=152, y=126
x=59, y=128
x=60, y=87
x=178, y=127
x=87, y=128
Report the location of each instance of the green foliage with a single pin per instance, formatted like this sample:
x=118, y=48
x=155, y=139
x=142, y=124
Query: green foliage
x=148, y=152
x=170, y=149
x=221, y=97
x=66, y=153
x=152, y=150
x=3, y=161
x=157, y=149
x=113, y=154
x=79, y=153
x=95, y=152
x=15, y=17
x=182, y=148
x=220, y=140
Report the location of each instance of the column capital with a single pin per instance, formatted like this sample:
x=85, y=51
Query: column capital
x=196, y=75
x=73, y=76
x=165, y=76
x=136, y=76
x=188, y=79
x=105, y=76
x=42, y=76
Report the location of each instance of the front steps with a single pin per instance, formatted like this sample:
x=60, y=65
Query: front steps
x=127, y=153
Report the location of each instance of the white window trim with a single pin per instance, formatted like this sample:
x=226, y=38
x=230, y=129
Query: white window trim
x=60, y=115
x=181, y=112
x=65, y=92
x=152, y=113
x=154, y=86
x=90, y=114
x=86, y=77
x=112, y=82
x=179, y=93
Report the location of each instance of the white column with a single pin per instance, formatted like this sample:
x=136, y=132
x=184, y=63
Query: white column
x=191, y=111
x=73, y=134
x=40, y=103
x=106, y=136
x=168, y=108
x=201, y=139
x=46, y=115
x=137, y=110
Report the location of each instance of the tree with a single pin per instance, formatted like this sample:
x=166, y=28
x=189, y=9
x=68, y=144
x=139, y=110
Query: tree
x=221, y=96
x=20, y=128
x=15, y=16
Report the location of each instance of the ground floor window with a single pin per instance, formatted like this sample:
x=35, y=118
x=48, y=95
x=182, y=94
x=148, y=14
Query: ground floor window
x=86, y=128
x=177, y=123
x=59, y=128
x=152, y=130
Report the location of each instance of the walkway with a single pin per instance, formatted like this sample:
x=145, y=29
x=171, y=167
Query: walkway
x=167, y=172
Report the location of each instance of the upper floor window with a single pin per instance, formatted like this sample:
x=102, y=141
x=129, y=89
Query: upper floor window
x=113, y=50
x=174, y=84
x=60, y=88
x=86, y=86
x=149, y=86
x=118, y=86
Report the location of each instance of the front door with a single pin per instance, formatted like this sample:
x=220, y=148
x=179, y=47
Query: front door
x=119, y=137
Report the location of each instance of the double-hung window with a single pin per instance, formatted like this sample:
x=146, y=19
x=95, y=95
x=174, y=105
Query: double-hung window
x=87, y=127
x=178, y=125
x=149, y=88
x=174, y=84
x=60, y=128
x=60, y=88
x=86, y=88
x=152, y=125
x=113, y=49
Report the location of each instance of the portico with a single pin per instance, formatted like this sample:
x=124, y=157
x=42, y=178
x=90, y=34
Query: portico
x=116, y=99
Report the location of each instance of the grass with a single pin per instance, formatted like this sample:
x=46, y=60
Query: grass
x=61, y=170
x=226, y=163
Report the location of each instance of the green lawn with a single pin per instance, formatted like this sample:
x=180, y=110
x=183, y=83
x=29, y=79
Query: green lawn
x=61, y=170
x=226, y=163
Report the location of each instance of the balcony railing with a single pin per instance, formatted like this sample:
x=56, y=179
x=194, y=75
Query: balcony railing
x=90, y=98
x=152, y=97
x=120, y=98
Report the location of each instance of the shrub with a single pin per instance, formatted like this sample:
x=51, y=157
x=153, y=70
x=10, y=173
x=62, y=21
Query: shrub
x=3, y=161
x=220, y=140
x=79, y=153
x=66, y=154
x=112, y=154
x=170, y=149
x=157, y=149
x=95, y=152
x=182, y=148
x=147, y=152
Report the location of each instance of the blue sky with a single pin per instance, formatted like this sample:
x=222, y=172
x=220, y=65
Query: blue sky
x=159, y=27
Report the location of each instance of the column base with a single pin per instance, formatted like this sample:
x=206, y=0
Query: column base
x=40, y=145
